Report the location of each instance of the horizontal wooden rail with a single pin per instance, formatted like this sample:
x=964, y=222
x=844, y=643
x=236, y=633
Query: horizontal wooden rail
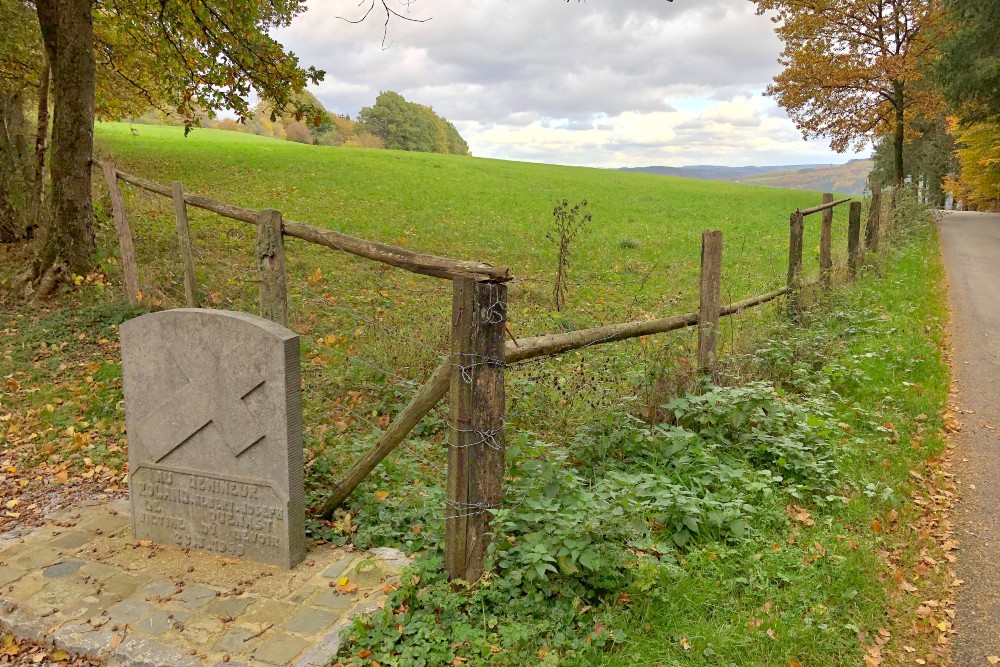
x=438, y=386
x=740, y=306
x=823, y=207
x=428, y=265
x=543, y=346
x=225, y=210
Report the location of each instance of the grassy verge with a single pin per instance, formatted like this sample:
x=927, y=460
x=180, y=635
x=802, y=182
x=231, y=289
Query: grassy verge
x=787, y=521
x=838, y=583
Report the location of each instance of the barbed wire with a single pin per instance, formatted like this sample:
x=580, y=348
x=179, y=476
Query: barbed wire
x=488, y=437
x=466, y=510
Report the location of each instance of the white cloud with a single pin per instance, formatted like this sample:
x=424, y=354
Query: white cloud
x=600, y=83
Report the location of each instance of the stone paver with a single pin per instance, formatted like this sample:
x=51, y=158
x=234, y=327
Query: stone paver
x=26, y=588
x=72, y=540
x=62, y=569
x=309, y=621
x=143, y=652
x=123, y=584
x=89, y=606
x=158, y=588
x=160, y=622
x=98, y=572
x=229, y=607
x=193, y=598
x=319, y=654
x=107, y=522
x=83, y=637
x=334, y=601
x=84, y=584
x=235, y=640
x=201, y=630
x=280, y=649
x=62, y=592
x=269, y=611
x=336, y=571
x=10, y=573
x=371, y=572
x=33, y=559
x=127, y=611
x=305, y=595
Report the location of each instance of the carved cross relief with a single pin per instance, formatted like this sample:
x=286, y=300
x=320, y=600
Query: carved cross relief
x=217, y=398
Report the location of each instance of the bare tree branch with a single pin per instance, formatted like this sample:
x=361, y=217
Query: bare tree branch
x=389, y=13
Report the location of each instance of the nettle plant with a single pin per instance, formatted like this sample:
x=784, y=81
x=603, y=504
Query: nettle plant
x=611, y=511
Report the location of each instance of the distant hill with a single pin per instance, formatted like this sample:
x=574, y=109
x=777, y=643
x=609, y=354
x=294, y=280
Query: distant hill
x=849, y=178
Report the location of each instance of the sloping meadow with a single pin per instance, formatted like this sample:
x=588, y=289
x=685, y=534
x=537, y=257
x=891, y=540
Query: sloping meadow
x=649, y=516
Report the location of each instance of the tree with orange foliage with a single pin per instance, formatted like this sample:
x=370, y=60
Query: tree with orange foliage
x=978, y=185
x=853, y=67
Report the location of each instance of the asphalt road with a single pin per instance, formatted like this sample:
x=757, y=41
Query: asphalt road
x=970, y=245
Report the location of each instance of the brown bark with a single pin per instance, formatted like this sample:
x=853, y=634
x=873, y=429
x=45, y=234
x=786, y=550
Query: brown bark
x=823, y=207
x=476, y=451
x=41, y=142
x=826, y=242
x=67, y=235
x=710, y=301
x=270, y=267
x=855, y=253
x=129, y=265
x=187, y=258
x=899, y=136
x=797, y=229
x=15, y=167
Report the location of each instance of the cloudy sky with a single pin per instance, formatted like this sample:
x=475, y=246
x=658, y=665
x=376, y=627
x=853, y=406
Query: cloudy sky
x=606, y=83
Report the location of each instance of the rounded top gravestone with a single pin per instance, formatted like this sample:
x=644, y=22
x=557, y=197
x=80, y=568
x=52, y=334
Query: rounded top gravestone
x=214, y=417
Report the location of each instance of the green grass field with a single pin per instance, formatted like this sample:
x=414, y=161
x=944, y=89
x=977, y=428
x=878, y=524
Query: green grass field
x=363, y=323
x=644, y=241
x=638, y=259
x=740, y=534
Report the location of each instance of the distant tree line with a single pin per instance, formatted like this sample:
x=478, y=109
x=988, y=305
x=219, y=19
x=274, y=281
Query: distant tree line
x=392, y=122
x=408, y=126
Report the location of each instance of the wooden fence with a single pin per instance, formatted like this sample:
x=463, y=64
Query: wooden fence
x=474, y=371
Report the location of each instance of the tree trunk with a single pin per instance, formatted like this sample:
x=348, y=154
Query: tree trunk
x=41, y=143
x=15, y=166
x=897, y=145
x=67, y=235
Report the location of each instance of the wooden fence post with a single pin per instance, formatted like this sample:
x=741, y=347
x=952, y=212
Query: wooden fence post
x=854, y=249
x=476, y=451
x=874, y=214
x=711, y=301
x=129, y=266
x=826, y=242
x=271, y=267
x=184, y=242
x=796, y=230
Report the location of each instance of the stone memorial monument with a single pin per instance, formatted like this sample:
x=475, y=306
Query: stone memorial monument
x=214, y=417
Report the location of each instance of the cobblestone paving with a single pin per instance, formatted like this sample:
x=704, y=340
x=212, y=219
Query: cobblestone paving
x=81, y=583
